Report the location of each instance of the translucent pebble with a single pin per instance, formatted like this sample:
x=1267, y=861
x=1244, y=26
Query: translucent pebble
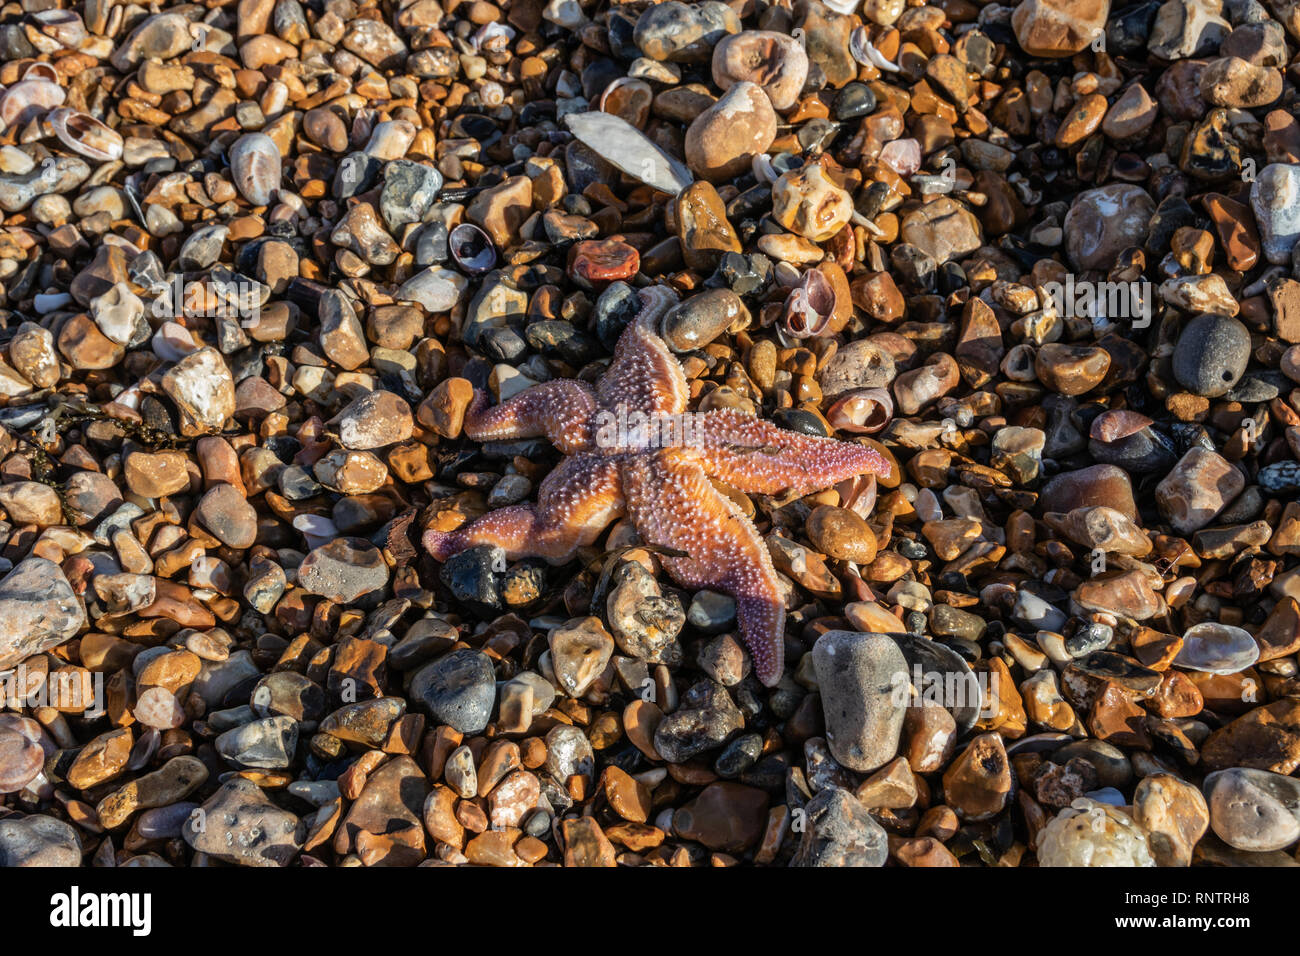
x=1089, y=833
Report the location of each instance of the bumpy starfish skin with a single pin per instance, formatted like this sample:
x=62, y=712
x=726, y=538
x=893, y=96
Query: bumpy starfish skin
x=658, y=477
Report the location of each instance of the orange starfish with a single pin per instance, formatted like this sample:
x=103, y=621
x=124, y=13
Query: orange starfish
x=633, y=449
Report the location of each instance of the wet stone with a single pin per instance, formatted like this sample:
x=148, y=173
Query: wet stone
x=704, y=720
x=38, y=840
x=458, y=689
x=241, y=825
x=840, y=832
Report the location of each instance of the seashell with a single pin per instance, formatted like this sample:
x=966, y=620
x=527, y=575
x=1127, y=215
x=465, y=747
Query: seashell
x=863, y=411
x=761, y=165
x=809, y=306
x=844, y=7
x=84, y=134
x=28, y=99
x=472, y=249
x=858, y=494
x=629, y=99
x=492, y=94
x=1117, y=423
x=42, y=71
x=492, y=37
x=65, y=26
x=866, y=54
x=255, y=168
x=618, y=142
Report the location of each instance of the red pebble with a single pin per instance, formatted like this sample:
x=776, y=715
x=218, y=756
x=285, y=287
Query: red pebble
x=603, y=260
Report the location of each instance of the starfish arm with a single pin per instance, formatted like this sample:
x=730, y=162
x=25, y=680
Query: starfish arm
x=575, y=503
x=560, y=410
x=759, y=458
x=673, y=505
x=645, y=376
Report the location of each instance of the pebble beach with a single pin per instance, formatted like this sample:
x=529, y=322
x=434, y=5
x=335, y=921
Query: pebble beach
x=687, y=434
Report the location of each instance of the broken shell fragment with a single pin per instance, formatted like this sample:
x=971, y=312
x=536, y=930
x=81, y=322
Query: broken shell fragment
x=809, y=306
x=84, y=134
x=866, y=54
x=42, y=71
x=28, y=99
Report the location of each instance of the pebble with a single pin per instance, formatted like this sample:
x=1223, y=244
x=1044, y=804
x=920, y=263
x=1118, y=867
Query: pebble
x=1104, y=222
x=1265, y=738
x=1089, y=833
x=580, y=651
x=727, y=817
x=457, y=689
x=1053, y=28
x=1253, y=810
x=1273, y=199
x=706, y=717
x=266, y=744
x=38, y=840
x=38, y=610
x=724, y=139
x=698, y=321
x=21, y=760
x=684, y=33
x=1175, y=816
x=262, y=286
x=858, y=676
x=1215, y=648
x=809, y=204
x=239, y=824
x=1211, y=355
x=343, y=570
x=774, y=61
x=839, y=831
x=1197, y=488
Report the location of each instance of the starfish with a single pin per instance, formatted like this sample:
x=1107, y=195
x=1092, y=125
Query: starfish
x=633, y=450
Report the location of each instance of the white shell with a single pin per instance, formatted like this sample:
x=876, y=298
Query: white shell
x=763, y=169
x=619, y=142
x=866, y=54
